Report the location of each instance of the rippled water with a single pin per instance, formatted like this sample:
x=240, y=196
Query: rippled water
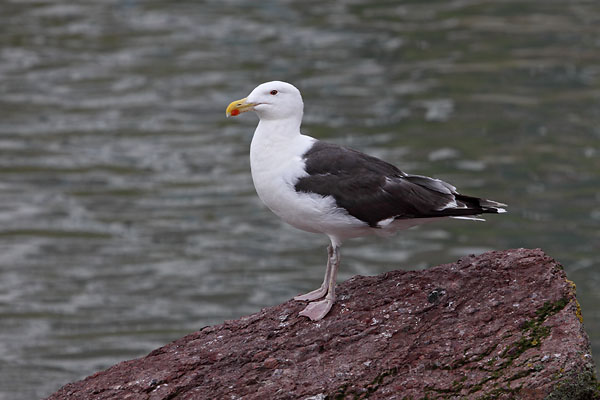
x=127, y=212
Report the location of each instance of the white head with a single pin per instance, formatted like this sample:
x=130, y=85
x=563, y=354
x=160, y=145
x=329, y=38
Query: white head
x=271, y=100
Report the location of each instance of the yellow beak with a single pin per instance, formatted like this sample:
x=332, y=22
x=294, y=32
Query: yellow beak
x=239, y=106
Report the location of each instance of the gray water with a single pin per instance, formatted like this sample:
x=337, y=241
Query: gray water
x=128, y=217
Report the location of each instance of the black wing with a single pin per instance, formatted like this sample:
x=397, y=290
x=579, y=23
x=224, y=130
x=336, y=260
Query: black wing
x=373, y=190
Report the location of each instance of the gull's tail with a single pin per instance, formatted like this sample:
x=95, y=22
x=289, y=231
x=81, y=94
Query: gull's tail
x=479, y=206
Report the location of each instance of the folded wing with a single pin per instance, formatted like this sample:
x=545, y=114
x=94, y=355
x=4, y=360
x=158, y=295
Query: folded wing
x=373, y=190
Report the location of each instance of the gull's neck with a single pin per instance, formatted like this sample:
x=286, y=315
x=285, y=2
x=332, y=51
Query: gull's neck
x=280, y=127
x=275, y=132
x=275, y=141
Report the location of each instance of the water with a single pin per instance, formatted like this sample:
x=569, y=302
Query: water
x=127, y=212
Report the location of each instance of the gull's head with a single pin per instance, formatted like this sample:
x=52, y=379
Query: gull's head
x=270, y=100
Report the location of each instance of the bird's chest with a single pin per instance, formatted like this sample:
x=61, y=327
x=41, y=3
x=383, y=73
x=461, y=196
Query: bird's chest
x=276, y=167
x=275, y=171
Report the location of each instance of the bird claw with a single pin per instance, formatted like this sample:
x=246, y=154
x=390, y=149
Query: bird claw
x=317, y=310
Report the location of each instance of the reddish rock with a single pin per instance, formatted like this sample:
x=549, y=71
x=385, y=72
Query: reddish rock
x=501, y=325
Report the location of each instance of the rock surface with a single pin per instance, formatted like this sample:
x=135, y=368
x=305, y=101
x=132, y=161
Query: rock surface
x=500, y=325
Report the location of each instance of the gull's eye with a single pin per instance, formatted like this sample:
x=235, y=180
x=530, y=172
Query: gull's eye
x=273, y=92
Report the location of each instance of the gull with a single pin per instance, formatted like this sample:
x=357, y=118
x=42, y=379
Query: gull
x=324, y=188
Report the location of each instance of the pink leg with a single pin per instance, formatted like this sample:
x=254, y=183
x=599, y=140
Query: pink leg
x=322, y=291
x=317, y=310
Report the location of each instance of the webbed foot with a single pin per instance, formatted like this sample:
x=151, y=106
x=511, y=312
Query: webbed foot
x=314, y=295
x=317, y=310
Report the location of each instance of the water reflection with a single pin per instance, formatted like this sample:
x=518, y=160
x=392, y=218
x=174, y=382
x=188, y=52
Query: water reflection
x=127, y=213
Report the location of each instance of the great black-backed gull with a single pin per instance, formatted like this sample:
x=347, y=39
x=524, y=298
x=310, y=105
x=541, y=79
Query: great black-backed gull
x=325, y=188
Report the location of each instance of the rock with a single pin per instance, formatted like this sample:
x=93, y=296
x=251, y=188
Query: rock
x=501, y=325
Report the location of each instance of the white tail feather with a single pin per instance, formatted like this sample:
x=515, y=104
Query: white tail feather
x=468, y=218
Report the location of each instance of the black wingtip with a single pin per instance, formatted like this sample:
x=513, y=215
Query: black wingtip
x=491, y=206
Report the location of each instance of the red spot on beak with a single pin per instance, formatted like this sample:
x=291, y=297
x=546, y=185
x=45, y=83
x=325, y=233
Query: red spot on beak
x=235, y=112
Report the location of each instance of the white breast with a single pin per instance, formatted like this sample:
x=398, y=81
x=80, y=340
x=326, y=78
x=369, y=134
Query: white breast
x=277, y=164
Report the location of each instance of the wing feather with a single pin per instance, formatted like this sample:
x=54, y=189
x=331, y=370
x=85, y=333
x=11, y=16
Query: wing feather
x=373, y=190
